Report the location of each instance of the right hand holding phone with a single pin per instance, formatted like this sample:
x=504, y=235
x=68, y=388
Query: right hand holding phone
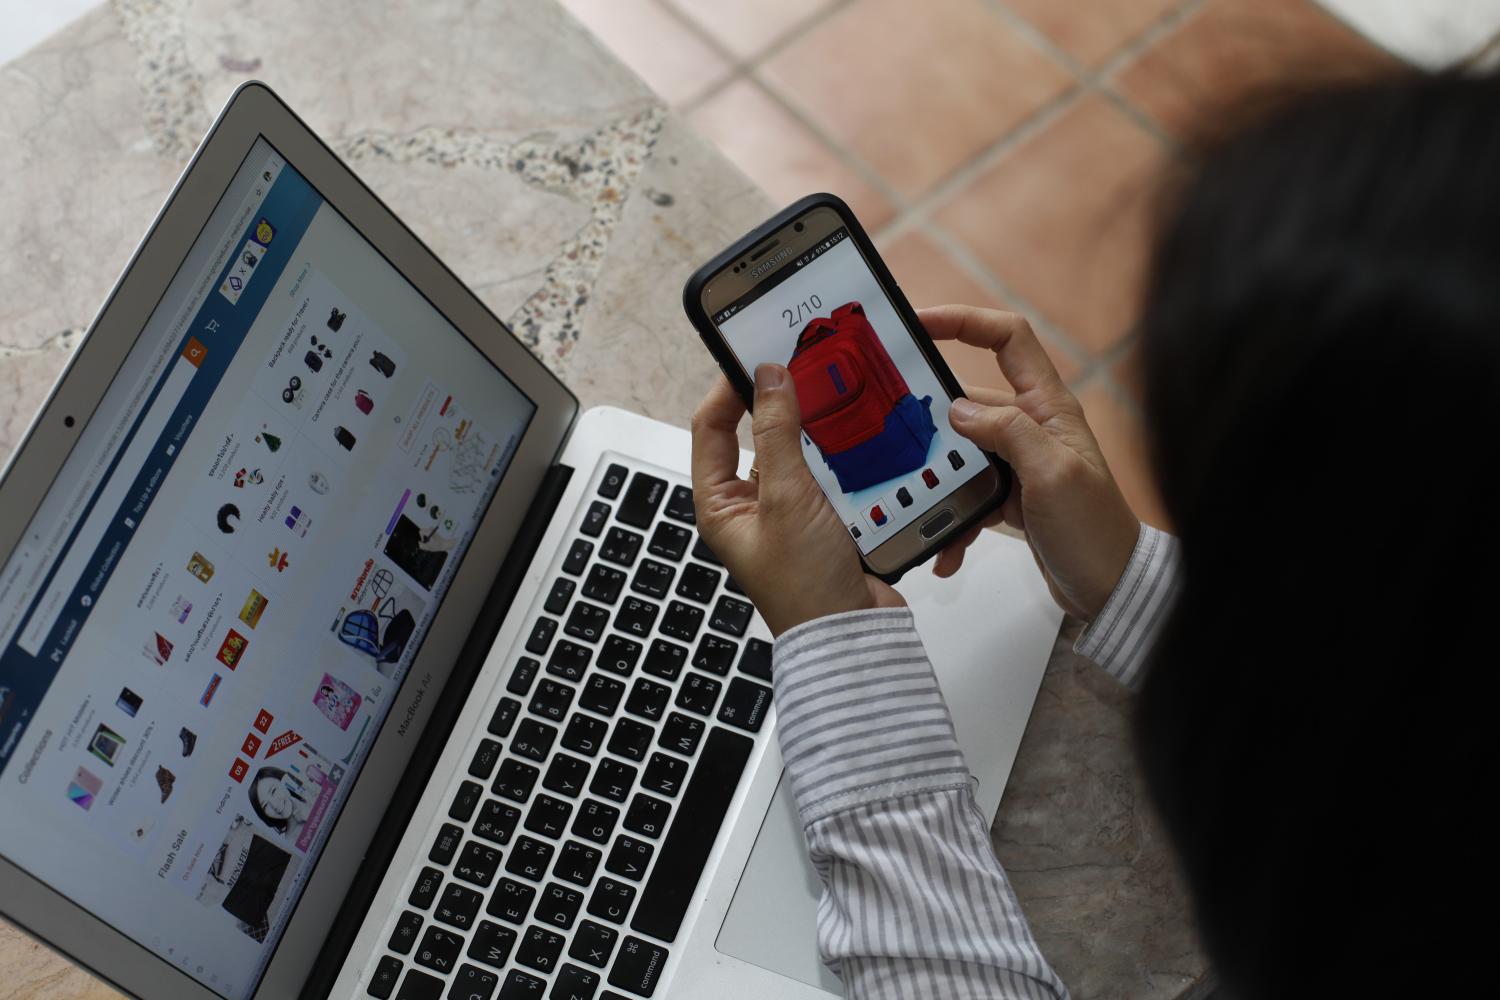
x=1079, y=526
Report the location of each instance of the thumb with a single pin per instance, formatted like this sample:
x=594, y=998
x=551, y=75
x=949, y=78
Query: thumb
x=1008, y=432
x=776, y=424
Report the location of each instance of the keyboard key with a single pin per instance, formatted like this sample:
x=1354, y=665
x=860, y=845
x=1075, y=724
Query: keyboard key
x=746, y=704
x=630, y=739
x=408, y=926
x=601, y=694
x=715, y=654
x=559, y=596
x=519, y=986
x=477, y=864
x=664, y=775
x=638, y=967
x=682, y=621
x=585, y=734
x=636, y=617
x=511, y=901
x=439, y=949
x=446, y=845
x=472, y=983
x=515, y=780
x=491, y=944
x=497, y=821
x=619, y=654
x=680, y=505
x=521, y=677
x=529, y=858
x=540, y=949
x=566, y=775
x=698, y=693
x=652, y=578
x=587, y=621
x=731, y=615
x=641, y=500
x=426, y=888
x=611, y=900
x=548, y=816
x=613, y=779
x=552, y=700
x=569, y=660
x=629, y=858
x=614, y=478
x=465, y=801
x=698, y=583
x=665, y=659
x=533, y=739
x=620, y=546
x=756, y=660
x=420, y=986
x=387, y=971
x=595, y=821
x=594, y=519
x=700, y=813
x=592, y=943
x=648, y=699
x=577, y=863
x=559, y=905
x=578, y=557
x=669, y=541
x=703, y=552
x=541, y=635
x=484, y=759
x=647, y=816
x=681, y=734
x=505, y=716
x=574, y=983
x=604, y=584
x=458, y=906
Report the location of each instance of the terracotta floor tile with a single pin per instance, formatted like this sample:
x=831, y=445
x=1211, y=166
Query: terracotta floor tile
x=1091, y=30
x=1122, y=439
x=780, y=154
x=746, y=27
x=675, y=62
x=916, y=89
x=1062, y=220
x=1230, y=48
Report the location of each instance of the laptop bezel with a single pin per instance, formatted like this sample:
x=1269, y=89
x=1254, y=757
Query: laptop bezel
x=254, y=111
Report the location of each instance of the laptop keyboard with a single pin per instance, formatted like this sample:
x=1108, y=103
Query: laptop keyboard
x=573, y=845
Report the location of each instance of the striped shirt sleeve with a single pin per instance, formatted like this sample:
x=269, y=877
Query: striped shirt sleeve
x=915, y=905
x=1120, y=639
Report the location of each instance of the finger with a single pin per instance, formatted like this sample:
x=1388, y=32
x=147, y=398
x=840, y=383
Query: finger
x=952, y=557
x=1023, y=361
x=776, y=424
x=1008, y=432
x=989, y=395
x=716, y=445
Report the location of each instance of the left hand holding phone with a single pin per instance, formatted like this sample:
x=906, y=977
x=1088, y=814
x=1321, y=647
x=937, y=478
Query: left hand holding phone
x=777, y=535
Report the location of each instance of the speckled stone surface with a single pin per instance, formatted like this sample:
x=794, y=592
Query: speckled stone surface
x=551, y=180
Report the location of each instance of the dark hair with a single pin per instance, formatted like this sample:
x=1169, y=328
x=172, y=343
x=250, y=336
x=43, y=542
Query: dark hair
x=279, y=825
x=1321, y=343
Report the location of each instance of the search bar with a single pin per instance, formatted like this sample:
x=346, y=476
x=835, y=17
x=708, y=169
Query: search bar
x=107, y=504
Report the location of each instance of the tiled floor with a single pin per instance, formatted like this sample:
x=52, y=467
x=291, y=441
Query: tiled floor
x=1003, y=152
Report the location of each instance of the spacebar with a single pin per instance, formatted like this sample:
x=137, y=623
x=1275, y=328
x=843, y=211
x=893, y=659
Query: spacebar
x=691, y=838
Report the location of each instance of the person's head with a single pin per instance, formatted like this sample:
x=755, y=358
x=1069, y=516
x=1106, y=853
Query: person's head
x=276, y=805
x=1321, y=343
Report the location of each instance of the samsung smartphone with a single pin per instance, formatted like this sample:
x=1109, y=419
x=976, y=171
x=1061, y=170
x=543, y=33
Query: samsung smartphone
x=808, y=291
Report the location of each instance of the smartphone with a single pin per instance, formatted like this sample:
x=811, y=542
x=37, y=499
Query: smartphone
x=807, y=290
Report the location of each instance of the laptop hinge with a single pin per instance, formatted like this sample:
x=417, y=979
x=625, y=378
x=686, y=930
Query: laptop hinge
x=435, y=736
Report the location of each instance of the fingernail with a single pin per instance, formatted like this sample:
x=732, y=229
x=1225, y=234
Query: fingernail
x=963, y=409
x=768, y=376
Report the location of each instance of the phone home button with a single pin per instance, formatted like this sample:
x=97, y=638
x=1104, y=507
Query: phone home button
x=937, y=523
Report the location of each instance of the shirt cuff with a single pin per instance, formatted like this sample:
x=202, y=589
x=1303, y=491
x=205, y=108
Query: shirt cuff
x=1120, y=638
x=859, y=713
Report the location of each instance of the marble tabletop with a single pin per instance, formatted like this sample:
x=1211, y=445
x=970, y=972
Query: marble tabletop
x=575, y=204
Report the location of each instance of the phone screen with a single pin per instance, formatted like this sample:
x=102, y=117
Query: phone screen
x=875, y=425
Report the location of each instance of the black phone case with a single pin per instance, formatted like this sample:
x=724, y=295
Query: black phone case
x=692, y=293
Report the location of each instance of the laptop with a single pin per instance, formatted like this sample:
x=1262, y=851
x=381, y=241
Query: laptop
x=340, y=655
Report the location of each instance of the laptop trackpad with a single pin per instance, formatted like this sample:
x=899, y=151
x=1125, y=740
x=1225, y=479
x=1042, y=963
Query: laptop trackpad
x=772, y=920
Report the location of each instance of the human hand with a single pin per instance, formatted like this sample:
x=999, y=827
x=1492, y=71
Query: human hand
x=1077, y=522
x=777, y=535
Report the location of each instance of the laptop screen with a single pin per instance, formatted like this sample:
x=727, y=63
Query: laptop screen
x=203, y=628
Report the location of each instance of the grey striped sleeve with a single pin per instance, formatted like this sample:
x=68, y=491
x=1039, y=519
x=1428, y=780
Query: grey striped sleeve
x=915, y=905
x=1121, y=637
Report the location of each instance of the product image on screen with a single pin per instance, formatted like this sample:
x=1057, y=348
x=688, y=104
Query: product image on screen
x=875, y=428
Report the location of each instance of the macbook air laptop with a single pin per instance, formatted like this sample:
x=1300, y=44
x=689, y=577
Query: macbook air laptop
x=341, y=656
